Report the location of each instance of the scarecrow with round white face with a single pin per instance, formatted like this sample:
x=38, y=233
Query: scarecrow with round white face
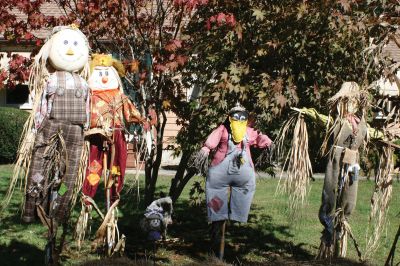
x=230, y=184
x=61, y=113
x=111, y=113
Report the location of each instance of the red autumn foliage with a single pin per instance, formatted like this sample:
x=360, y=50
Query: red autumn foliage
x=19, y=22
x=221, y=19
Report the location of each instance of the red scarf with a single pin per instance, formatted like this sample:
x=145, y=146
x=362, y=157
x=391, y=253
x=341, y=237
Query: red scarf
x=354, y=121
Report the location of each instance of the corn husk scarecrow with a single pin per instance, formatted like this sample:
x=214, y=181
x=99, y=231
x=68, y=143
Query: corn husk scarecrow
x=230, y=183
x=111, y=112
x=343, y=140
x=346, y=133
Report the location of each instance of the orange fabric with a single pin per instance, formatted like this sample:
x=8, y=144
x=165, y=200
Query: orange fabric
x=93, y=179
x=94, y=167
x=111, y=108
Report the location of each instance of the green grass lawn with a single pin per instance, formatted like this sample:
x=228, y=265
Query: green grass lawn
x=269, y=238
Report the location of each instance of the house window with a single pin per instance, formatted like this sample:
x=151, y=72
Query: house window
x=17, y=95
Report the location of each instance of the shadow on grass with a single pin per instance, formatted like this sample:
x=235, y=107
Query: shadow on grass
x=20, y=253
x=259, y=242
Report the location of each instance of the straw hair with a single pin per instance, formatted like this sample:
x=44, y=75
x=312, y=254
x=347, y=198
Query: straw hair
x=107, y=60
x=350, y=91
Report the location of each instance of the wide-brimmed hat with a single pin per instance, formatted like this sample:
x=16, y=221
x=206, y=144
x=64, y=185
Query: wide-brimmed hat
x=349, y=90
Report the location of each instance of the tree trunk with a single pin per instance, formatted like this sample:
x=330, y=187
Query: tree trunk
x=153, y=166
x=181, y=178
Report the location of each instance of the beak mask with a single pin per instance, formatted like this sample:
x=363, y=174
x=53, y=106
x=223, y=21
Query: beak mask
x=238, y=125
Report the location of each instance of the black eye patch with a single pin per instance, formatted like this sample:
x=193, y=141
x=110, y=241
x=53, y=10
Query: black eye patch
x=239, y=116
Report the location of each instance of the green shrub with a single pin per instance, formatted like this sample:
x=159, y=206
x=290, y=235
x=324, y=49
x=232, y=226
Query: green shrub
x=11, y=124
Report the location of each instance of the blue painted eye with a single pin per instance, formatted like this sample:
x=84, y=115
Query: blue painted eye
x=106, y=73
x=100, y=74
x=75, y=43
x=65, y=42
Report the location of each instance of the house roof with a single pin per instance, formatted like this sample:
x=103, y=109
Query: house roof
x=48, y=9
x=392, y=49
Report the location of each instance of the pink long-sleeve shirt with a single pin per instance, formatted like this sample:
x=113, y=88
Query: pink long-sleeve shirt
x=219, y=139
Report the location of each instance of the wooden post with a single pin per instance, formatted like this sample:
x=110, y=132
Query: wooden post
x=389, y=260
x=222, y=243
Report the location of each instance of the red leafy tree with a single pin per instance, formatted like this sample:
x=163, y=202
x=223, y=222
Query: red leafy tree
x=147, y=37
x=21, y=22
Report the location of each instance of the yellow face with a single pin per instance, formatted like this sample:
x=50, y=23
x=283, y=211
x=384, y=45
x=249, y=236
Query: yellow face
x=238, y=128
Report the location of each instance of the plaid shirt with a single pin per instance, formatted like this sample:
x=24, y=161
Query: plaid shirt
x=50, y=92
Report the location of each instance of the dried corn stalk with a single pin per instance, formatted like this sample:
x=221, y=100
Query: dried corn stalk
x=342, y=232
x=297, y=162
x=81, y=173
x=141, y=152
x=380, y=201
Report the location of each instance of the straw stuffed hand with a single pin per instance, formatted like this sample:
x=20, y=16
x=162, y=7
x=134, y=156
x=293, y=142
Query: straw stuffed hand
x=199, y=161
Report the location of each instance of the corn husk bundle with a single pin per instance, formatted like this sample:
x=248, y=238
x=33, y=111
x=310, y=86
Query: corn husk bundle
x=81, y=173
x=83, y=224
x=380, y=201
x=107, y=236
x=348, y=91
x=341, y=234
x=392, y=130
x=141, y=152
x=344, y=227
x=37, y=81
x=297, y=162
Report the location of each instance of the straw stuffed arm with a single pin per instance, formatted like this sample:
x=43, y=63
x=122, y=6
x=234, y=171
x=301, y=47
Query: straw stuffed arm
x=313, y=114
x=43, y=108
x=199, y=160
x=262, y=141
x=131, y=114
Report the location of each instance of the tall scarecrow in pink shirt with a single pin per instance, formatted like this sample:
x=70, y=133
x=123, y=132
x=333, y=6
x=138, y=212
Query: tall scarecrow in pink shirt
x=230, y=184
